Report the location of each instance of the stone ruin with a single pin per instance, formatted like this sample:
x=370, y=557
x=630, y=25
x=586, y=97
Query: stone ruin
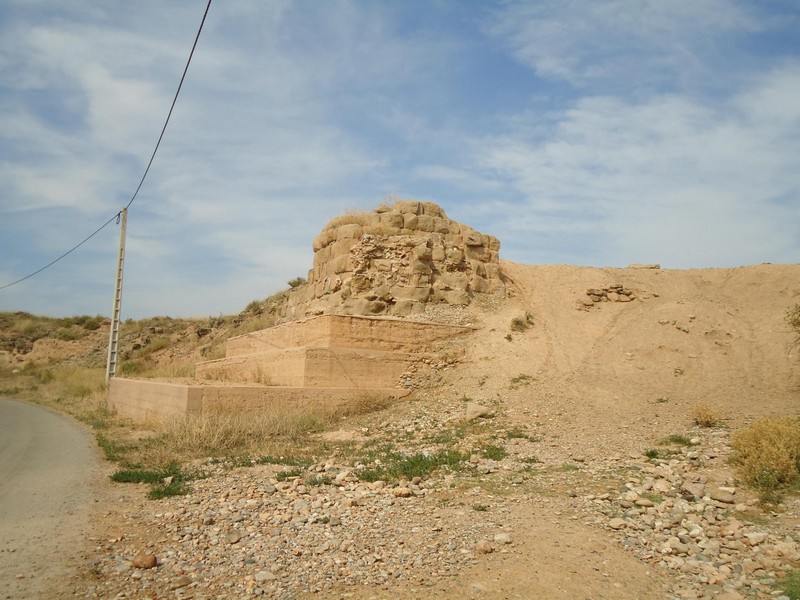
x=339, y=337
x=394, y=260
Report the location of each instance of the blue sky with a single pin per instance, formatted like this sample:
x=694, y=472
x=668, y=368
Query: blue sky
x=582, y=132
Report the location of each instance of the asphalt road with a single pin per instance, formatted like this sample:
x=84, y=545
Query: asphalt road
x=48, y=471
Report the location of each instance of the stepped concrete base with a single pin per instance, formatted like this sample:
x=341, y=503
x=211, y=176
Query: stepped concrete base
x=339, y=331
x=151, y=400
x=312, y=367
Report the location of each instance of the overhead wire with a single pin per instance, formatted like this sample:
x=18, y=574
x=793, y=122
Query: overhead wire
x=146, y=171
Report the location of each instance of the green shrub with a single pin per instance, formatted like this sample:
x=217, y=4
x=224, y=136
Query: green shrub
x=297, y=282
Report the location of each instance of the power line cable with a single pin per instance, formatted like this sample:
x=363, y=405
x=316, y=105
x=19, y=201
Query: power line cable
x=68, y=252
x=146, y=171
x=174, y=100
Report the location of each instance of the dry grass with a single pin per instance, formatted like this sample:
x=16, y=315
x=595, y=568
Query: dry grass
x=793, y=318
x=352, y=217
x=705, y=416
x=231, y=430
x=767, y=453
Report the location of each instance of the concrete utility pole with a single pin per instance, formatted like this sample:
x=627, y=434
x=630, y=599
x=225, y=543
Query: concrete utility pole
x=113, y=336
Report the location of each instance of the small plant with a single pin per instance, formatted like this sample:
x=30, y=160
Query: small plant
x=704, y=416
x=317, y=480
x=494, y=452
x=254, y=307
x=652, y=453
x=164, y=490
x=518, y=433
x=284, y=475
x=518, y=324
x=112, y=450
x=480, y=507
x=297, y=282
x=676, y=439
x=169, y=481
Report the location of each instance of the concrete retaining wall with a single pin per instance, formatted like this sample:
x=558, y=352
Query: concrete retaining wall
x=143, y=400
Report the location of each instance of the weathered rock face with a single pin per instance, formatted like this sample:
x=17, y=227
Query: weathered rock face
x=397, y=258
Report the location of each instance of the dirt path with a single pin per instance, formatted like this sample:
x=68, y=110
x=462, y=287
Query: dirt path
x=48, y=470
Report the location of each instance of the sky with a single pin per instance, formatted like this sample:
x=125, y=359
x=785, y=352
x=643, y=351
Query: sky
x=585, y=132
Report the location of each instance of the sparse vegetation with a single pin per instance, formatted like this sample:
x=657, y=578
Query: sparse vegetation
x=395, y=465
x=494, y=452
x=288, y=474
x=169, y=481
x=767, y=453
x=676, y=439
x=297, y=282
x=705, y=416
x=317, y=480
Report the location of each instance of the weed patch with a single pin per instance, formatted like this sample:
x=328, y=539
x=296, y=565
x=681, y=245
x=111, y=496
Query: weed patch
x=164, y=490
x=394, y=466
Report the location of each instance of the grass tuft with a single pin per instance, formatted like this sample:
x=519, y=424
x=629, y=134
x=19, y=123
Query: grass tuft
x=676, y=440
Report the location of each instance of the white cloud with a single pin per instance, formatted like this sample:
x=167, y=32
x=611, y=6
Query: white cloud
x=620, y=42
x=668, y=179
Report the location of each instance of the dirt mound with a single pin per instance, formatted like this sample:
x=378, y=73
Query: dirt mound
x=616, y=373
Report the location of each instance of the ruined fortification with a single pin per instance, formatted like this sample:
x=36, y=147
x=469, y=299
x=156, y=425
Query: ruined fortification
x=394, y=260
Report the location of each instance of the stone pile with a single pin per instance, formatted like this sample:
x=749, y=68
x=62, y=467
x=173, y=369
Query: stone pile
x=396, y=259
x=246, y=533
x=673, y=516
x=612, y=293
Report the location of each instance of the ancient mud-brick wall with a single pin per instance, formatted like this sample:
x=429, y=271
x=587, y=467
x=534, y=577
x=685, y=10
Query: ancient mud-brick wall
x=395, y=259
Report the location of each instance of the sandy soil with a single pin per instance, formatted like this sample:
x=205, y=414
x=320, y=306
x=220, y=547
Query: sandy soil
x=606, y=380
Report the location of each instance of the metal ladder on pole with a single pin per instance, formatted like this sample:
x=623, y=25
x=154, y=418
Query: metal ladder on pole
x=113, y=336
